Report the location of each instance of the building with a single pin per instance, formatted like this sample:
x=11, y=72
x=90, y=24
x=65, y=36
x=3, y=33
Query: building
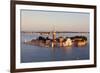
x=67, y=43
x=54, y=39
x=61, y=39
x=82, y=43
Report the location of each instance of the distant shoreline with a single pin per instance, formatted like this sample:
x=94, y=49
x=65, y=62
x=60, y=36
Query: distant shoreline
x=51, y=31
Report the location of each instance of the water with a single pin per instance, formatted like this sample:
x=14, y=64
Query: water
x=31, y=53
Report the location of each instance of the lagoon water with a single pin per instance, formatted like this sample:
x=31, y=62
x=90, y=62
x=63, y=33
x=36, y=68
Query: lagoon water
x=31, y=53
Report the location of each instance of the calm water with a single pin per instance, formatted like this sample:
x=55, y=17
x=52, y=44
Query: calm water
x=30, y=53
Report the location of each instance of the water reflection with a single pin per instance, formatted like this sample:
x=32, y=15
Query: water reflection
x=70, y=53
x=36, y=53
x=62, y=53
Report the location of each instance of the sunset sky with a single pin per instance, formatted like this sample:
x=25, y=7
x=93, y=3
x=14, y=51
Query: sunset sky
x=36, y=20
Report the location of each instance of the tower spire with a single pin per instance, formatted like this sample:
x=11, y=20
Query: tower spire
x=53, y=37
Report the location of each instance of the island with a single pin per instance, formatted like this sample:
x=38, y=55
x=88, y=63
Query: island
x=61, y=41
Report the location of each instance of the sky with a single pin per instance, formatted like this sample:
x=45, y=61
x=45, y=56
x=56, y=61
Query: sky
x=39, y=20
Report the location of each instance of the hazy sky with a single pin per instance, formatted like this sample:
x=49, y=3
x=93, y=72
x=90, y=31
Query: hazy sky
x=35, y=20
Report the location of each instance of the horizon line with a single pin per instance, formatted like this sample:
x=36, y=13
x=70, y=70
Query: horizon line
x=52, y=31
